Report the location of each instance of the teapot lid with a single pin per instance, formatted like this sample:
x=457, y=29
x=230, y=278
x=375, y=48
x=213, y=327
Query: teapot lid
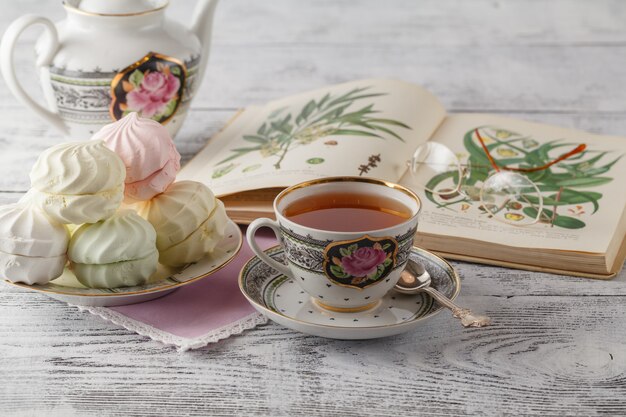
x=116, y=7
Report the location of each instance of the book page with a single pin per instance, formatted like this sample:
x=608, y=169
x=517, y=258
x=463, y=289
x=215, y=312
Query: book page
x=583, y=195
x=362, y=128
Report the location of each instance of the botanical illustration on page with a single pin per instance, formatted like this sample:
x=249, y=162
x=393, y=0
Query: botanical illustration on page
x=567, y=187
x=362, y=128
x=326, y=117
x=576, y=174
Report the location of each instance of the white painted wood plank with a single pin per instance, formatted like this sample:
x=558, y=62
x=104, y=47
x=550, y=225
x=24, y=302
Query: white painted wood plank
x=512, y=78
x=513, y=55
x=485, y=78
x=407, y=22
x=544, y=356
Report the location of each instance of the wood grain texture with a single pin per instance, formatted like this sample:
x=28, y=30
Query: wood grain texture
x=558, y=345
x=424, y=22
x=485, y=78
x=513, y=55
x=543, y=356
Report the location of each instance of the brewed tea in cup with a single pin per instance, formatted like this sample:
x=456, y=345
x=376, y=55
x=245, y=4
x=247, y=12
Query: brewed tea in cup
x=346, y=239
x=347, y=212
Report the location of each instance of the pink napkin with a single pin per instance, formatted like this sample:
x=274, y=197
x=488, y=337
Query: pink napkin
x=196, y=314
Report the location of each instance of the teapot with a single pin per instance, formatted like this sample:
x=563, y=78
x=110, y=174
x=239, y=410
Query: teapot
x=111, y=57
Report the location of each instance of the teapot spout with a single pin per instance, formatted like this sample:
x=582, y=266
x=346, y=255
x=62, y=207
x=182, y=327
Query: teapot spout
x=202, y=26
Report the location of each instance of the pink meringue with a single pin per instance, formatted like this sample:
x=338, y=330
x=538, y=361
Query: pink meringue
x=148, y=152
x=157, y=182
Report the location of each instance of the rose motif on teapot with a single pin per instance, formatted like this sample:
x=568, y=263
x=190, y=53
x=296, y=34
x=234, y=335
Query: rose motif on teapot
x=360, y=263
x=152, y=87
x=93, y=98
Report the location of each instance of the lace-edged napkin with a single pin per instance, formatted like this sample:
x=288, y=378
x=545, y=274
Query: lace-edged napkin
x=197, y=314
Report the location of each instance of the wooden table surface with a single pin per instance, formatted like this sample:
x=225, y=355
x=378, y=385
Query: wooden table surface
x=558, y=346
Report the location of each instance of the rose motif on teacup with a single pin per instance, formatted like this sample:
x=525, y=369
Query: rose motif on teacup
x=152, y=87
x=360, y=263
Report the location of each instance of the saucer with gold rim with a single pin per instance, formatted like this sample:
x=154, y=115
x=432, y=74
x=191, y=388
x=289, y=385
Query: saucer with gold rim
x=281, y=299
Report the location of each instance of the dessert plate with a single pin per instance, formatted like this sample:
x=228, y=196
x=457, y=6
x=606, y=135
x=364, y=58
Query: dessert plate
x=165, y=280
x=282, y=300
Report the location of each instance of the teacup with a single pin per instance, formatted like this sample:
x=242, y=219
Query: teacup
x=346, y=239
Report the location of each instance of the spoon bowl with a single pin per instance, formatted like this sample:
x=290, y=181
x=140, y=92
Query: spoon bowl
x=413, y=278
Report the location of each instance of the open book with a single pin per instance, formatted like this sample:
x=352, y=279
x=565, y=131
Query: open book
x=372, y=127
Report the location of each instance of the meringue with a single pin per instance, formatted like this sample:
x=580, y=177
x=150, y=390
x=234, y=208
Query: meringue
x=178, y=212
x=118, y=274
x=77, y=168
x=118, y=251
x=78, y=182
x=32, y=246
x=148, y=152
x=123, y=237
x=189, y=222
x=199, y=243
x=78, y=209
x=26, y=230
x=31, y=270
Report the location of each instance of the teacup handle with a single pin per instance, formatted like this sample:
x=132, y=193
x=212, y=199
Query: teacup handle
x=250, y=237
x=51, y=45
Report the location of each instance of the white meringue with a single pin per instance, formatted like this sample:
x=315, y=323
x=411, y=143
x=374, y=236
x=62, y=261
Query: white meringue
x=200, y=242
x=118, y=274
x=26, y=230
x=32, y=246
x=178, y=212
x=77, y=168
x=78, y=209
x=31, y=269
x=79, y=182
x=118, y=251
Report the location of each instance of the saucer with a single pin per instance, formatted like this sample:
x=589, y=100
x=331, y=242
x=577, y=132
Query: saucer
x=165, y=280
x=282, y=300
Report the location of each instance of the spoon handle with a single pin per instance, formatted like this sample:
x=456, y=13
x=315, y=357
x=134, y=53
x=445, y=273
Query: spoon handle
x=468, y=319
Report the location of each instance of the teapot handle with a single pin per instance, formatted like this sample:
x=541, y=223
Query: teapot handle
x=7, y=66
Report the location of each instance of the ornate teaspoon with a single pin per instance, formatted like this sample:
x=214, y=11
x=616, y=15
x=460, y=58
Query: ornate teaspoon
x=415, y=279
